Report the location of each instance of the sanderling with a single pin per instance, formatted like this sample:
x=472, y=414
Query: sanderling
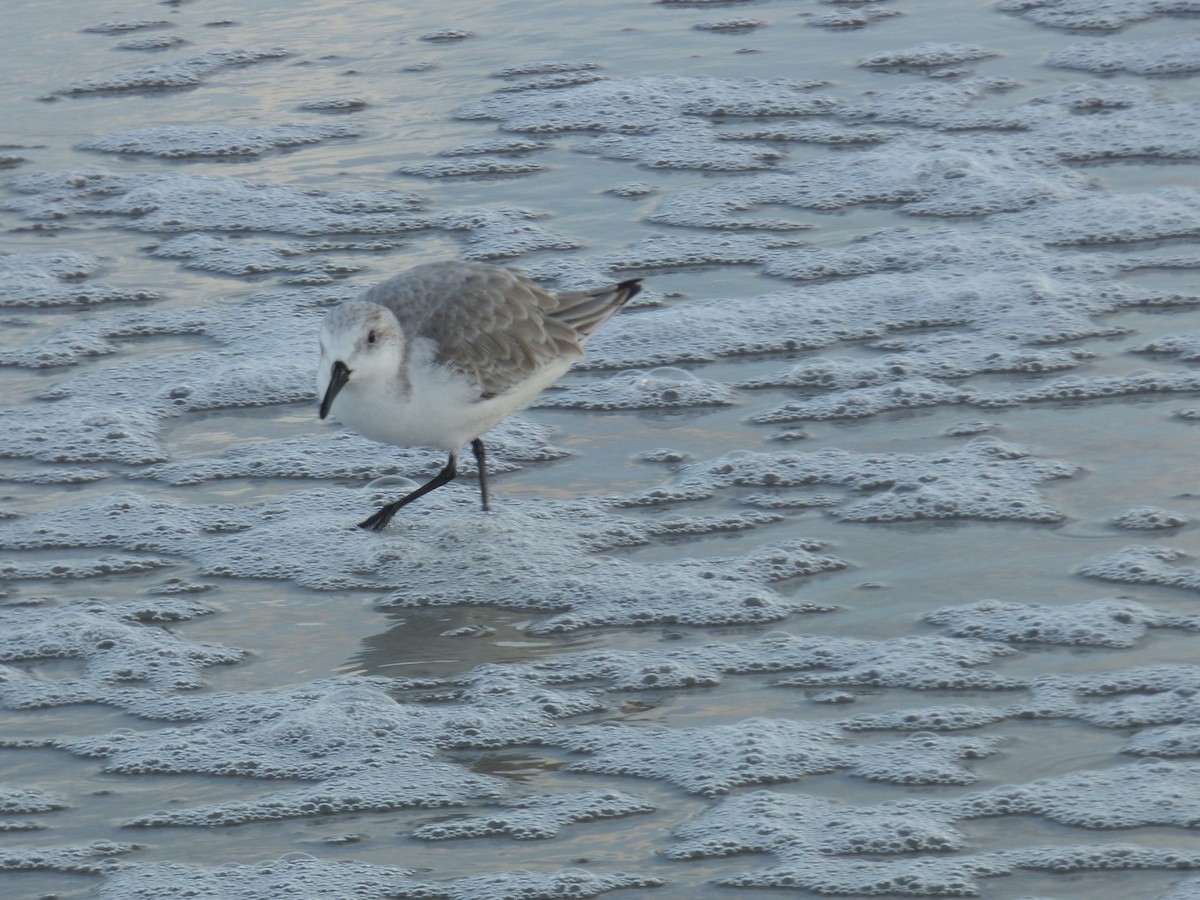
x=437, y=355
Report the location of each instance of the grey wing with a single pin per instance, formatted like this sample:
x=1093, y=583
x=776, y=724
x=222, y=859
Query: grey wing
x=585, y=311
x=492, y=323
x=512, y=335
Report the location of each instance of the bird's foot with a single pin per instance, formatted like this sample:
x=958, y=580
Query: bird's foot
x=380, y=520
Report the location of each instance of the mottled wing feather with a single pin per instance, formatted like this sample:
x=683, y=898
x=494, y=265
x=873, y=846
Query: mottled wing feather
x=493, y=324
x=585, y=311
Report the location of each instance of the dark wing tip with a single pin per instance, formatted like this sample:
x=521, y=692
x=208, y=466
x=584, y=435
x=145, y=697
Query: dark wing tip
x=632, y=288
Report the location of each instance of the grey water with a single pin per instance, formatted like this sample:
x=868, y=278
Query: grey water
x=414, y=67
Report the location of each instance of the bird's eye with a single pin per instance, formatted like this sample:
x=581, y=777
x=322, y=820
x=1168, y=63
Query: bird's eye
x=371, y=336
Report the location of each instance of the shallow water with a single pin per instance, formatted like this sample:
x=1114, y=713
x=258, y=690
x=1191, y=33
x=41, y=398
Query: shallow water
x=939, y=271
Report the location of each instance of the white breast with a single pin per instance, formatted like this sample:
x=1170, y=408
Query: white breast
x=437, y=407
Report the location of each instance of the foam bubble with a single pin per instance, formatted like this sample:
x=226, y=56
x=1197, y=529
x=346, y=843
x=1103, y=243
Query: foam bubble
x=1144, y=565
x=1150, y=518
x=1105, y=623
x=986, y=479
x=498, y=145
x=472, y=166
x=360, y=749
x=1176, y=56
x=754, y=751
x=537, y=817
x=909, y=839
x=923, y=175
x=730, y=26
x=948, y=356
x=643, y=105
x=201, y=141
x=1184, y=346
x=29, y=800
x=96, y=858
x=335, y=104
x=179, y=74
x=347, y=455
x=83, y=568
x=929, y=718
x=299, y=873
x=152, y=42
x=124, y=26
x=116, y=413
x=529, y=556
x=916, y=663
x=239, y=258
x=548, y=67
x=1167, y=741
x=57, y=279
x=685, y=144
x=551, y=81
x=112, y=647
x=857, y=16
x=447, y=35
x=665, y=387
x=1098, y=15
x=178, y=203
x=929, y=55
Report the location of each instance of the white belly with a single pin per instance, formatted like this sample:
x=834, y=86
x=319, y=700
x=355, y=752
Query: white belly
x=439, y=409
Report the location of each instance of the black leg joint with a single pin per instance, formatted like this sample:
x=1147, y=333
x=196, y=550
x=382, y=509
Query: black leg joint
x=380, y=520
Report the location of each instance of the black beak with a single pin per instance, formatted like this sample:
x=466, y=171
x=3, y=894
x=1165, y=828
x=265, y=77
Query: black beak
x=337, y=380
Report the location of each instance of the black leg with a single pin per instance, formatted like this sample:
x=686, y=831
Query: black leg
x=481, y=461
x=380, y=520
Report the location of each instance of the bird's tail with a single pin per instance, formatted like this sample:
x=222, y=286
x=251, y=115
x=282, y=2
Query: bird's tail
x=585, y=311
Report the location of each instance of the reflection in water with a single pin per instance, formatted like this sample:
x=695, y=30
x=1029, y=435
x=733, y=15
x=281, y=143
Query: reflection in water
x=440, y=643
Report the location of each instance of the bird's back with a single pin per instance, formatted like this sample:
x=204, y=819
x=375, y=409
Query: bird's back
x=492, y=323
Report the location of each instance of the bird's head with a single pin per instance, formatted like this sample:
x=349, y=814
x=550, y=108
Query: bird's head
x=361, y=344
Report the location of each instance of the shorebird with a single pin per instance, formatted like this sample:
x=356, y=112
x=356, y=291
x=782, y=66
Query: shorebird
x=437, y=355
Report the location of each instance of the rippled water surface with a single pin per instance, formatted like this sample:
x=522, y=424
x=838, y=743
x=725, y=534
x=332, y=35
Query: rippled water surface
x=856, y=559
